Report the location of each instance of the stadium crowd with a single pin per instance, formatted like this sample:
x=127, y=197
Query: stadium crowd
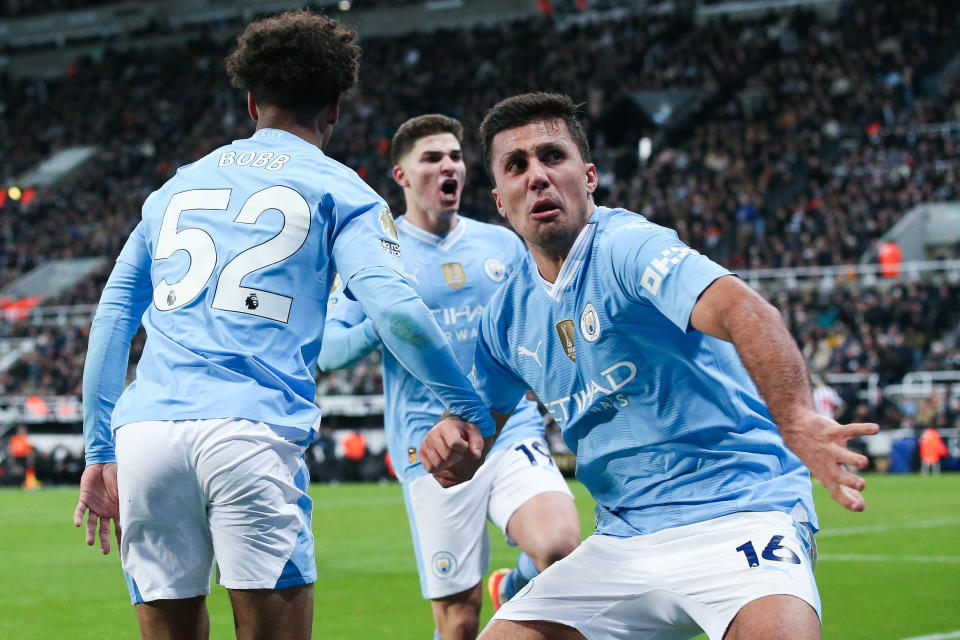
x=805, y=150
x=857, y=329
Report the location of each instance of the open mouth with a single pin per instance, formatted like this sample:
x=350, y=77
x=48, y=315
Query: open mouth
x=544, y=208
x=449, y=187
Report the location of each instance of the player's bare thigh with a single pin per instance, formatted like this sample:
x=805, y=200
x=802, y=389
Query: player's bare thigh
x=547, y=527
x=285, y=614
x=529, y=630
x=779, y=617
x=180, y=619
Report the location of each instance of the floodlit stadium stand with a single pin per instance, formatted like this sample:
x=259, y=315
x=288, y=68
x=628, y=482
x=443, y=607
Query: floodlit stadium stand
x=787, y=144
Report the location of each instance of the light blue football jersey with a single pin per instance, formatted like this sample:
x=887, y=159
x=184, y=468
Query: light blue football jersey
x=667, y=425
x=242, y=247
x=456, y=275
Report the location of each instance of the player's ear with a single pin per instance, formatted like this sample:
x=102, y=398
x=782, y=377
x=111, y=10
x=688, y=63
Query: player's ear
x=252, y=108
x=400, y=177
x=592, y=179
x=496, y=198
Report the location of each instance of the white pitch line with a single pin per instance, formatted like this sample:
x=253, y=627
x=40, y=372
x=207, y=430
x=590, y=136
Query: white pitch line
x=862, y=557
x=937, y=636
x=880, y=528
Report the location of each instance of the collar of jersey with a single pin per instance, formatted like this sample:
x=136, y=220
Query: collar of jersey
x=571, y=266
x=440, y=242
x=270, y=135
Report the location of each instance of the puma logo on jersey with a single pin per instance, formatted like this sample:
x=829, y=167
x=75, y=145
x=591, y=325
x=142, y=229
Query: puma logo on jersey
x=413, y=276
x=535, y=354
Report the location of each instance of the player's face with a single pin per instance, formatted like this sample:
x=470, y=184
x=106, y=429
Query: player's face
x=432, y=174
x=543, y=186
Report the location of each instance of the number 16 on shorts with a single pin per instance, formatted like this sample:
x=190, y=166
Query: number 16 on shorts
x=773, y=552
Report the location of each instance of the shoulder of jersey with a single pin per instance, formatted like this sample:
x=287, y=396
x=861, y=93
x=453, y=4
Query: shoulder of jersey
x=615, y=223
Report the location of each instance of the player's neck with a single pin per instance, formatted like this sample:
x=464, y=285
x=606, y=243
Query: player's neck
x=551, y=252
x=312, y=136
x=439, y=224
x=548, y=263
x=317, y=134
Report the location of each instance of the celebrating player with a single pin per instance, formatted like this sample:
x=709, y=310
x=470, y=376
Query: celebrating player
x=654, y=360
x=456, y=264
x=230, y=270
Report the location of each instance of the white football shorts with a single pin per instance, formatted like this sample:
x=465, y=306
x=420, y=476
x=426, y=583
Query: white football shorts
x=195, y=491
x=672, y=584
x=449, y=526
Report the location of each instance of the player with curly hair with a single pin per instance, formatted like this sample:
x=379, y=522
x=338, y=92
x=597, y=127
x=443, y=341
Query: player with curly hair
x=201, y=458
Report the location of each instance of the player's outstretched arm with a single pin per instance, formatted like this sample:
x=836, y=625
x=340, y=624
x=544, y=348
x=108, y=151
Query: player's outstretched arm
x=99, y=497
x=730, y=310
x=410, y=332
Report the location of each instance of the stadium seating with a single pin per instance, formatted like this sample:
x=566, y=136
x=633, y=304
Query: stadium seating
x=807, y=139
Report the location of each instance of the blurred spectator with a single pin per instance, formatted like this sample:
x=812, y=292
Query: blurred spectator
x=932, y=450
x=826, y=401
x=22, y=458
x=889, y=256
x=354, y=451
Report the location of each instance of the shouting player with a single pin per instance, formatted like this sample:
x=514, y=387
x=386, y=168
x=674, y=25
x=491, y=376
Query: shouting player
x=229, y=271
x=456, y=264
x=680, y=390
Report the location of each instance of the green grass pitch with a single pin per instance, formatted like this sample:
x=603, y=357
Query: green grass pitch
x=890, y=573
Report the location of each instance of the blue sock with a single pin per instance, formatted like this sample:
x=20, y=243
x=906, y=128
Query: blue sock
x=436, y=635
x=519, y=577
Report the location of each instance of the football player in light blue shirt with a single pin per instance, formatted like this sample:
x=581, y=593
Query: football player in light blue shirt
x=456, y=264
x=682, y=394
x=229, y=272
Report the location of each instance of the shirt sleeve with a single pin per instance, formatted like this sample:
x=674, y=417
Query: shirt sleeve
x=499, y=387
x=652, y=266
x=411, y=333
x=348, y=334
x=125, y=297
x=364, y=234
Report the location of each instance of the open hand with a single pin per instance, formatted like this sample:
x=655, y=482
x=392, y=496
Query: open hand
x=98, y=495
x=821, y=444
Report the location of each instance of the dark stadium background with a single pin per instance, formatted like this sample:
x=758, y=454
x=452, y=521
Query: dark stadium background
x=788, y=140
x=794, y=141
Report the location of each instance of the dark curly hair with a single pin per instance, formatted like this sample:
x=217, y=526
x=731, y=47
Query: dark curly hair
x=297, y=60
x=525, y=108
x=421, y=127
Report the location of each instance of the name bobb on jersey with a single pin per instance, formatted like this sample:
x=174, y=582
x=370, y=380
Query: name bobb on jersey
x=667, y=425
x=238, y=249
x=456, y=275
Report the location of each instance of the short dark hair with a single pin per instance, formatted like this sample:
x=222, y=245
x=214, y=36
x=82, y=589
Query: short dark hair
x=421, y=127
x=296, y=60
x=525, y=108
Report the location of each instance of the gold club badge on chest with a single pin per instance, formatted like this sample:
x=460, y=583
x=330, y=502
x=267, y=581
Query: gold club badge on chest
x=454, y=275
x=565, y=331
